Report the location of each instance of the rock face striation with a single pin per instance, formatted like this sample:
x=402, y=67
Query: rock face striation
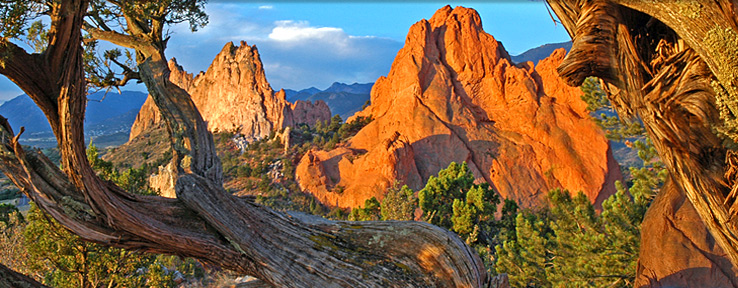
x=452, y=94
x=234, y=95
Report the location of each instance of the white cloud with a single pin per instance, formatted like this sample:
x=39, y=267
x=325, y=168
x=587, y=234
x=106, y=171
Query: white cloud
x=321, y=60
x=266, y=7
x=290, y=31
x=295, y=54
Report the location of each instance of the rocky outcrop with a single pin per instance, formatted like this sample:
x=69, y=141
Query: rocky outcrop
x=234, y=95
x=163, y=181
x=452, y=94
x=148, y=118
x=676, y=248
x=304, y=112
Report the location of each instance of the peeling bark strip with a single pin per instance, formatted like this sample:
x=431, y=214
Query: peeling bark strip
x=205, y=222
x=690, y=49
x=592, y=49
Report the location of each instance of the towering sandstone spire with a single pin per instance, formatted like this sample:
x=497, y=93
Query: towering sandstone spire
x=453, y=94
x=233, y=94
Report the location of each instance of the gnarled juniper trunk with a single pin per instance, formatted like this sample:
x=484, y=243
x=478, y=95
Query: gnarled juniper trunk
x=205, y=221
x=12, y=279
x=672, y=63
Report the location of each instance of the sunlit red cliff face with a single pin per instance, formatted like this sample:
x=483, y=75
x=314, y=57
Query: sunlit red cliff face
x=453, y=94
x=234, y=95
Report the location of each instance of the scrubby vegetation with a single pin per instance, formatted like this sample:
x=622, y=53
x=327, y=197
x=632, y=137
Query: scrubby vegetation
x=265, y=168
x=65, y=260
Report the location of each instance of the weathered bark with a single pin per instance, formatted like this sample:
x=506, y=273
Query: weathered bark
x=666, y=60
x=12, y=279
x=205, y=221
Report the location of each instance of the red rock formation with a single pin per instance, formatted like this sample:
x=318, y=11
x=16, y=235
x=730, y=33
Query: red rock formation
x=452, y=94
x=148, y=118
x=676, y=248
x=234, y=95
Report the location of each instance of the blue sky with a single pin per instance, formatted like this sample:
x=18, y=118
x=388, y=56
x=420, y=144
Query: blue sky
x=304, y=44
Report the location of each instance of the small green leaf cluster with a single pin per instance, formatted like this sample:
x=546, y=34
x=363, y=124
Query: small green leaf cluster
x=570, y=245
x=370, y=211
x=454, y=202
x=132, y=180
x=399, y=203
x=15, y=16
x=604, y=114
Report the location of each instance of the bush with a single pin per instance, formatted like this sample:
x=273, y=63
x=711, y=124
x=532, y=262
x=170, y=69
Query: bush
x=399, y=203
x=370, y=212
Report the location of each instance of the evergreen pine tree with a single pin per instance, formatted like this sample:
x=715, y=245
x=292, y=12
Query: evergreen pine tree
x=399, y=203
x=525, y=259
x=370, y=212
x=568, y=244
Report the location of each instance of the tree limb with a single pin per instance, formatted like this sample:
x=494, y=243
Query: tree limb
x=26, y=71
x=117, y=38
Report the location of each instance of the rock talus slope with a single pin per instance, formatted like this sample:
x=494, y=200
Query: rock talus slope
x=234, y=95
x=452, y=94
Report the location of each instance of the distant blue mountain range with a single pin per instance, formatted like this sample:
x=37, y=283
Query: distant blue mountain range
x=106, y=114
x=536, y=54
x=345, y=99
x=342, y=99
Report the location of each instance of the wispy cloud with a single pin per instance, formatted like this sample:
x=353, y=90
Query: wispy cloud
x=290, y=31
x=295, y=53
x=266, y=7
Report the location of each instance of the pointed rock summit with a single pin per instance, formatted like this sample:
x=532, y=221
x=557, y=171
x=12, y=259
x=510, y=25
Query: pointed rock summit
x=453, y=94
x=234, y=95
